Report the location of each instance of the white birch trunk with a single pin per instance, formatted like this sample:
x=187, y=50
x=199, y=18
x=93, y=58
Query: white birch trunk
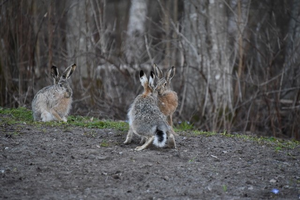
x=220, y=66
x=79, y=36
x=135, y=31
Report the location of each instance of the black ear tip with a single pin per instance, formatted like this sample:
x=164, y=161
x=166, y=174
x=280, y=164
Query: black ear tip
x=74, y=66
x=54, y=67
x=141, y=73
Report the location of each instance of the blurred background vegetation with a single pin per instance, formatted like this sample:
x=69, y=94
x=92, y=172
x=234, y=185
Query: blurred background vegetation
x=237, y=63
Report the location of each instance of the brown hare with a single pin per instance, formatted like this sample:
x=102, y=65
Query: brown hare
x=145, y=118
x=167, y=98
x=54, y=102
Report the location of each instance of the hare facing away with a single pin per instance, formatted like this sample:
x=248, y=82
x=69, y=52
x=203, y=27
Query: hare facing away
x=145, y=118
x=167, y=98
x=54, y=102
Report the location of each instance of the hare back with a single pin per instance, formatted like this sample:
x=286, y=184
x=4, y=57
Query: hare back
x=145, y=117
x=144, y=108
x=141, y=128
x=141, y=107
x=168, y=102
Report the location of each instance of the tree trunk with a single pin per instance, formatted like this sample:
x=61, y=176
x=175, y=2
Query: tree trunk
x=208, y=71
x=291, y=51
x=135, y=45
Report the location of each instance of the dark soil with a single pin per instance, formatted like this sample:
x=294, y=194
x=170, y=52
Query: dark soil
x=80, y=163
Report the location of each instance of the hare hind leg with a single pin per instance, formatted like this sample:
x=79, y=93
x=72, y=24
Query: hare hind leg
x=147, y=143
x=143, y=139
x=170, y=122
x=172, y=142
x=169, y=119
x=129, y=136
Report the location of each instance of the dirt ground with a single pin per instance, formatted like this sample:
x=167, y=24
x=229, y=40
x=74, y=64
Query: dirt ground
x=80, y=163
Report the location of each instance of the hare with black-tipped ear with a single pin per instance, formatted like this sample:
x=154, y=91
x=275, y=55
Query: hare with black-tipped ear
x=167, y=98
x=145, y=118
x=54, y=102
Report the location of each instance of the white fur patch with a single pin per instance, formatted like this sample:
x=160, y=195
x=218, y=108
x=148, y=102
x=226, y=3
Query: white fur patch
x=160, y=144
x=151, y=81
x=64, y=119
x=130, y=115
x=143, y=79
x=46, y=116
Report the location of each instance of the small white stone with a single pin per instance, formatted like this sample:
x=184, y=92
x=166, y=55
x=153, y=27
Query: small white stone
x=272, y=181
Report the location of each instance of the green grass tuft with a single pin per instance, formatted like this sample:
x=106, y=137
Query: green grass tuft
x=22, y=115
x=96, y=123
x=185, y=126
x=17, y=115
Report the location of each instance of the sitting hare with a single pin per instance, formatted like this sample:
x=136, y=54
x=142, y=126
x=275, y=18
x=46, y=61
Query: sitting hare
x=54, y=102
x=167, y=98
x=145, y=118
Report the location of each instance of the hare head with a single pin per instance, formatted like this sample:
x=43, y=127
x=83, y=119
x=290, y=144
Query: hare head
x=164, y=82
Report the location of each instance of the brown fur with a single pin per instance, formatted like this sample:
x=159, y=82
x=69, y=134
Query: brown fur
x=167, y=98
x=147, y=90
x=63, y=106
x=167, y=103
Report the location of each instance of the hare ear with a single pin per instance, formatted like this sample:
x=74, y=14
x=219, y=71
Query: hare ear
x=170, y=74
x=143, y=78
x=55, y=74
x=151, y=79
x=158, y=71
x=69, y=71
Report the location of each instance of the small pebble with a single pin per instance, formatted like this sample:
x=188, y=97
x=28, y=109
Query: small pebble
x=272, y=181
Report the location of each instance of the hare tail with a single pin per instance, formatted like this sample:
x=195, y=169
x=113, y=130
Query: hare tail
x=160, y=138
